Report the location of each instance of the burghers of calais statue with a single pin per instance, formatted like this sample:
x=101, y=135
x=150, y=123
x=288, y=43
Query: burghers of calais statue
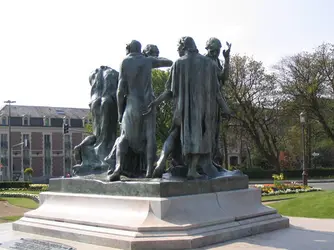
x=134, y=163
x=194, y=88
x=213, y=46
x=135, y=84
x=193, y=85
x=90, y=153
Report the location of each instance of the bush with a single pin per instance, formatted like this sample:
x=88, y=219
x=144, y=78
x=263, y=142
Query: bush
x=14, y=184
x=257, y=173
x=28, y=171
x=38, y=187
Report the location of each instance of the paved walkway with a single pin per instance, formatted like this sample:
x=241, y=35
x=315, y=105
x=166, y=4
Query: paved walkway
x=303, y=234
x=7, y=209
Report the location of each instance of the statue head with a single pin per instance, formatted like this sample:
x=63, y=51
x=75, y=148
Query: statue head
x=151, y=50
x=186, y=45
x=133, y=47
x=213, y=46
x=93, y=75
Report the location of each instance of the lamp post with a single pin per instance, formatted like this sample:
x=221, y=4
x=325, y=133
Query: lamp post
x=302, y=117
x=10, y=167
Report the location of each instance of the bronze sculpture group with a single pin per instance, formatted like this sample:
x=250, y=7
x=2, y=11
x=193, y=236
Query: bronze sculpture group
x=194, y=87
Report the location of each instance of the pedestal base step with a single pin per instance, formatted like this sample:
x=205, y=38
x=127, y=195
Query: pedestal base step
x=183, y=222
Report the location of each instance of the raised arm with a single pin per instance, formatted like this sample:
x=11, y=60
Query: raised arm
x=226, y=71
x=158, y=62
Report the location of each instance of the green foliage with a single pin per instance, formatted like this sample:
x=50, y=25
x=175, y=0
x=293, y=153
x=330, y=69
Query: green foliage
x=278, y=177
x=277, y=181
x=164, y=111
x=28, y=171
x=310, y=205
x=256, y=103
x=258, y=173
x=21, y=202
x=14, y=184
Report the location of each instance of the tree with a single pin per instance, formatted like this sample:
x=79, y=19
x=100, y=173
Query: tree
x=307, y=81
x=164, y=111
x=255, y=100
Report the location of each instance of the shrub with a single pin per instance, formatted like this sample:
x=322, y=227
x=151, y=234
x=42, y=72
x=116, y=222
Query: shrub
x=14, y=184
x=28, y=171
x=38, y=187
x=258, y=173
x=34, y=197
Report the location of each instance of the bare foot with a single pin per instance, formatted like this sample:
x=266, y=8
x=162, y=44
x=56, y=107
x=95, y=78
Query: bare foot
x=148, y=172
x=116, y=176
x=157, y=173
x=193, y=175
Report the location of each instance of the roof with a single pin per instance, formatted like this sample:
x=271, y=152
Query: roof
x=41, y=111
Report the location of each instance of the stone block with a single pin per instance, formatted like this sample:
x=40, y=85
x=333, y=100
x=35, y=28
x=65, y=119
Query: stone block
x=136, y=222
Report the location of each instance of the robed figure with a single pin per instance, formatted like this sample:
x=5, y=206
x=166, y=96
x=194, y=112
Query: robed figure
x=194, y=88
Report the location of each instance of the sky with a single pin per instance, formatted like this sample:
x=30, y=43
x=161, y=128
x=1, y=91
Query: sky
x=48, y=48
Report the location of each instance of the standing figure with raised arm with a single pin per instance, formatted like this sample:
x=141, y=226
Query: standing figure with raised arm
x=213, y=47
x=193, y=86
x=135, y=84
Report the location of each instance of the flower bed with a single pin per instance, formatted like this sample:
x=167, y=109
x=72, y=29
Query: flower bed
x=285, y=188
x=34, y=197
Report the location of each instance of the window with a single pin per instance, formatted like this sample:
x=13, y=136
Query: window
x=46, y=121
x=25, y=121
x=66, y=120
x=47, y=155
x=67, y=153
x=3, y=120
x=4, y=141
x=26, y=151
x=4, y=149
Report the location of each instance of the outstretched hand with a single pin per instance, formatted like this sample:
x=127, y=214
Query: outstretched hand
x=226, y=53
x=149, y=108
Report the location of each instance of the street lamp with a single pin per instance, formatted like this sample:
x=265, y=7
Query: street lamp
x=302, y=117
x=10, y=167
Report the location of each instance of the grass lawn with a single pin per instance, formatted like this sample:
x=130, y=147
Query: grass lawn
x=10, y=218
x=312, y=205
x=285, y=196
x=21, y=202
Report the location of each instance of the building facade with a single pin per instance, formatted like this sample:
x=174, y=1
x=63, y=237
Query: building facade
x=48, y=150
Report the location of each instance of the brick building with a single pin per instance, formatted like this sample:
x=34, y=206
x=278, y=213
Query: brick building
x=48, y=151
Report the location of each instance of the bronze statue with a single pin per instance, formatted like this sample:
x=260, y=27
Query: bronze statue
x=90, y=153
x=194, y=108
x=213, y=47
x=135, y=84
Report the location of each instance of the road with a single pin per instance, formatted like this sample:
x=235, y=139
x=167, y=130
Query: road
x=324, y=186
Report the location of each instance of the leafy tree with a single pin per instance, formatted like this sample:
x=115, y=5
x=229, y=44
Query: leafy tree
x=307, y=81
x=256, y=102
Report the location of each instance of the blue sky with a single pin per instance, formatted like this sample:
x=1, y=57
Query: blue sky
x=48, y=48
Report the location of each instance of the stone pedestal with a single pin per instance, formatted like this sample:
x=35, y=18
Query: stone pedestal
x=164, y=220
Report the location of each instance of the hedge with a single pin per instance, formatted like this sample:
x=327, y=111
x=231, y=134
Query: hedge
x=257, y=173
x=14, y=184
